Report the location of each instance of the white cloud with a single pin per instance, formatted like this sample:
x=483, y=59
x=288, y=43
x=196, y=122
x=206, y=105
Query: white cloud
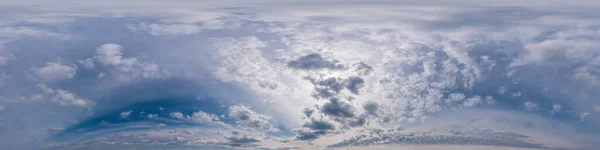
x=54, y=71
x=152, y=116
x=531, y=106
x=422, y=59
x=166, y=29
x=65, y=98
x=125, y=114
x=502, y=89
x=177, y=115
x=2, y=108
x=475, y=100
x=111, y=55
x=198, y=117
x=556, y=108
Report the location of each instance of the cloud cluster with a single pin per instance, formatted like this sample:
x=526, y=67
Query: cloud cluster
x=316, y=73
x=64, y=98
x=245, y=117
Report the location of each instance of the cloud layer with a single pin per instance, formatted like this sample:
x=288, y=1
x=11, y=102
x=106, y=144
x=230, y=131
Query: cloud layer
x=311, y=75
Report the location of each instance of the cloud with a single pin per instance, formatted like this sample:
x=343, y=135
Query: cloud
x=531, y=106
x=56, y=130
x=556, y=108
x=584, y=116
x=10, y=32
x=125, y=114
x=198, y=117
x=309, y=135
x=452, y=137
x=245, y=117
x=313, y=62
x=65, y=98
x=166, y=29
x=475, y=100
x=371, y=108
x=54, y=71
x=152, y=116
x=319, y=125
x=368, y=67
x=241, y=141
x=111, y=55
x=337, y=108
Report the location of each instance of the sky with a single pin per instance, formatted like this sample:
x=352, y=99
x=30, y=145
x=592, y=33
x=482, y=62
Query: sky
x=275, y=75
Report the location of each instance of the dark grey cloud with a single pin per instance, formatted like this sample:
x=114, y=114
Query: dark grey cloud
x=371, y=108
x=242, y=141
x=360, y=121
x=353, y=84
x=319, y=125
x=337, y=108
x=314, y=62
x=362, y=68
x=309, y=135
x=308, y=112
x=326, y=88
x=330, y=87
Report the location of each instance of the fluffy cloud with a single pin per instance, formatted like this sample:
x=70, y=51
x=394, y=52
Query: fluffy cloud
x=323, y=74
x=198, y=117
x=65, y=98
x=54, y=71
x=111, y=55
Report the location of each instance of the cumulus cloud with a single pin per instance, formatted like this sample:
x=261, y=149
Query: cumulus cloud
x=245, y=117
x=367, y=67
x=475, y=100
x=198, y=117
x=65, y=98
x=54, y=71
x=337, y=108
x=111, y=55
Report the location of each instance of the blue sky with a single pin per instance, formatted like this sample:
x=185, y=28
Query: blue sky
x=289, y=75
